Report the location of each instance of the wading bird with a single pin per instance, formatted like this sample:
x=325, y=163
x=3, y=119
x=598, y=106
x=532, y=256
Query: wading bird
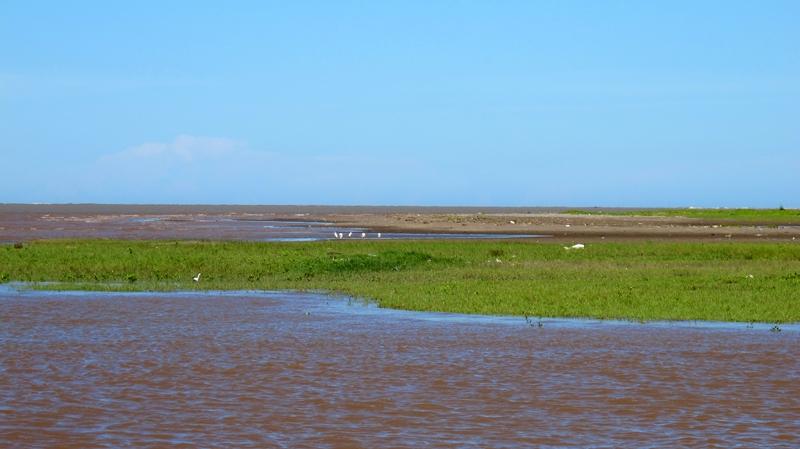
x=363, y=234
x=196, y=278
x=575, y=246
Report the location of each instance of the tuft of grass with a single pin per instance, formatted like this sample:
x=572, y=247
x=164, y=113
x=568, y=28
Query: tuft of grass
x=727, y=281
x=495, y=252
x=353, y=263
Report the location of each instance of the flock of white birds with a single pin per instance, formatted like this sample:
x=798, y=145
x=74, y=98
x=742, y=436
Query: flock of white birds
x=340, y=235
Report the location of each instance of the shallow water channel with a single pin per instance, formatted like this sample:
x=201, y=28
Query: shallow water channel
x=247, y=369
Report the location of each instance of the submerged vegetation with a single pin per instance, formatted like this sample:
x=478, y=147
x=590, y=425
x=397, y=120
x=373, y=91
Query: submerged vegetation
x=639, y=281
x=780, y=214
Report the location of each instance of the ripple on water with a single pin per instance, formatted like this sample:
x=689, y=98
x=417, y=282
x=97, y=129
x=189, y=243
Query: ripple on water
x=300, y=370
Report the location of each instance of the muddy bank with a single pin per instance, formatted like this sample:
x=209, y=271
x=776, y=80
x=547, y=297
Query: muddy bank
x=28, y=222
x=567, y=227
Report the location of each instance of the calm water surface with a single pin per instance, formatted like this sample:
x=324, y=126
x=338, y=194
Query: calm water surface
x=293, y=370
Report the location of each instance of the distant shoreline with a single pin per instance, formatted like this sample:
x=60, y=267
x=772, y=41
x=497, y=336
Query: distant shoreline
x=213, y=222
x=98, y=208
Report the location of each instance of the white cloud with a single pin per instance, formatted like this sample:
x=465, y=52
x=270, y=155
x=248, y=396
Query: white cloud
x=199, y=169
x=185, y=169
x=183, y=148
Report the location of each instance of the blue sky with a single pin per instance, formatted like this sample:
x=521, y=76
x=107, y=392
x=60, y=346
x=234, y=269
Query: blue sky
x=575, y=103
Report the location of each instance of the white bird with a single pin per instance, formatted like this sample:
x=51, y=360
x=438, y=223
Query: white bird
x=350, y=234
x=335, y=235
x=363, y=234
x=575, y=246
x=379, y=235
x=196, y=278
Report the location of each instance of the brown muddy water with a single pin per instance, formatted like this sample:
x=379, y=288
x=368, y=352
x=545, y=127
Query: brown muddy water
x=245, y=369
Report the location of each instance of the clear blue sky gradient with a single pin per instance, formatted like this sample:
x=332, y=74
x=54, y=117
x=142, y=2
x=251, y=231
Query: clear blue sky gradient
x=576, y=103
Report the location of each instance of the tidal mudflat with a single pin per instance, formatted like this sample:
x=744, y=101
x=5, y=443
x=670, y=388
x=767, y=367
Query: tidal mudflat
x=241, y=222
x=216, y=223
x=239, y=369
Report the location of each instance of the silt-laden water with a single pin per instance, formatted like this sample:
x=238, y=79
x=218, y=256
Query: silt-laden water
x=85, y=370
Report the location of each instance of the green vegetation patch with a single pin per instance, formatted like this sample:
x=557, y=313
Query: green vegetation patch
x=337, y=262
x=747, y=215
x=728, y=281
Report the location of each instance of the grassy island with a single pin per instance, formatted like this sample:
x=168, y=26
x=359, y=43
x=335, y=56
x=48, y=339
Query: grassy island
x=639, y=281
x=765, y=216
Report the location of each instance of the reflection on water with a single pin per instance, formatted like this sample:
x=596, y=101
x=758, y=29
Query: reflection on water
x=300, y=370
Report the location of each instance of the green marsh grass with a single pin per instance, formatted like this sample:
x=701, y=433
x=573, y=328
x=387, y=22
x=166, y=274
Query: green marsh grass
x=743, y=215
x=729, y=281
